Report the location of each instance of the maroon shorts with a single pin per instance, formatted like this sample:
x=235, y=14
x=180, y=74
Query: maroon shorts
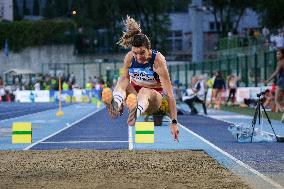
x=138, y=87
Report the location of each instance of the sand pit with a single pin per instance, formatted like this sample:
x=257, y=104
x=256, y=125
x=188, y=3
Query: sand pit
x=114, y=169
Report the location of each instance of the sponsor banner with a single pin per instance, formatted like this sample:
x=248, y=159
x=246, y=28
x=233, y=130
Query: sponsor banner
x=32, y=96
x=253, y=91
x=76, y=94
x=242, y=93
x=41, y=96
x=54, y=95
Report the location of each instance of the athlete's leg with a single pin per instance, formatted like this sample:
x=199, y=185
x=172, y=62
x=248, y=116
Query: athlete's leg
x=146, y=100
x=121, y=86
x=113, y=100
x=119, y=92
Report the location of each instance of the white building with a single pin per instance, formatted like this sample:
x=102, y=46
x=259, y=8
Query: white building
x=6, y=10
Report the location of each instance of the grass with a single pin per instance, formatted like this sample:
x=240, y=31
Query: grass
x=250, y=111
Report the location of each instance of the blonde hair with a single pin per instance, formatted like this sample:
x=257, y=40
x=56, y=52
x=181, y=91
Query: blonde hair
x=133, y=29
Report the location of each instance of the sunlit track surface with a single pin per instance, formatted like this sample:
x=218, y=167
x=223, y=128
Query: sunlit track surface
x=12, y=110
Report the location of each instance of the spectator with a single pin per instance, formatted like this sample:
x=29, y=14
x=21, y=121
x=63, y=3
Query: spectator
x=232, y=86
x=210, y=83
x=218, y=86
x=195, y=93
x=37, y=85
x=280, y=82
x=278, y=40
x=265, y=32
x=269, y=100
x=177, y=92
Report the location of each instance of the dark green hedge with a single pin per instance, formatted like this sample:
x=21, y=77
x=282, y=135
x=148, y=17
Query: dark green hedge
x=22, y=34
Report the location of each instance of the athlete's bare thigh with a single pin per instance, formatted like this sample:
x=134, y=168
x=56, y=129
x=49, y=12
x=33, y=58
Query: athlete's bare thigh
x=155, y=99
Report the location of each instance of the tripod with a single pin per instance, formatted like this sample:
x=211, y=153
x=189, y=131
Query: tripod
x=257, y=113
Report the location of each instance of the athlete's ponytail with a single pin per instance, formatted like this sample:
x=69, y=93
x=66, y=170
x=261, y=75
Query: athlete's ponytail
x=133, y=36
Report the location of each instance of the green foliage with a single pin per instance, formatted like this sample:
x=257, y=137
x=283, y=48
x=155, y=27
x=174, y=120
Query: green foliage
x=22, y=34
x=229, y=13
x=271, y=13
x=107, y=16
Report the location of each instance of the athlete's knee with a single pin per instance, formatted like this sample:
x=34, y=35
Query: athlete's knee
x=144, y=91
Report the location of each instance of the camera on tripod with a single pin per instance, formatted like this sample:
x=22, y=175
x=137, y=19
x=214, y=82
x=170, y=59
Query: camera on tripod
x=257, y=113
x=262, y=93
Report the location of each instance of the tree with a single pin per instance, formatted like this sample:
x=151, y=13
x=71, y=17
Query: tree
x=95, y=16
x=271, y=13
x=108, y=14
x=228, y=13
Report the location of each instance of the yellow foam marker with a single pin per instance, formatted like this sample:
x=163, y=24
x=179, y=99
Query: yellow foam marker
x=144, y=132
x=22, y=132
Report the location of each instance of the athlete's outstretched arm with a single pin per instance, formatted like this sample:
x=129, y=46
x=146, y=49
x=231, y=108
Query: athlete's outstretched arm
x=123, y=82
x=126, y=64
x=160, y=67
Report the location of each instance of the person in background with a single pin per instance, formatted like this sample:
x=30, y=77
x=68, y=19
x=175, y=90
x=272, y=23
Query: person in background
x=37, y=86
x=218, y=87
x=232, y=86
x=196, y=93
x=279, y=72
x=210, y=83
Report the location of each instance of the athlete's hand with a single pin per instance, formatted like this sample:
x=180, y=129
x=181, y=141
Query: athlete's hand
x=175, y=131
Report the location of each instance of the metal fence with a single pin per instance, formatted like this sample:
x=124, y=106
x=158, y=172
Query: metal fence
x=85, y=70
x=252, y=69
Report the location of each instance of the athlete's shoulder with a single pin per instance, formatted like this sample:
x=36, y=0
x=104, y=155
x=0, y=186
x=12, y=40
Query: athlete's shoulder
x=128, y=58
x=160, y=58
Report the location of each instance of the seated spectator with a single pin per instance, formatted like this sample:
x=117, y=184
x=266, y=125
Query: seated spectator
x=195, y=93
x=269, y=101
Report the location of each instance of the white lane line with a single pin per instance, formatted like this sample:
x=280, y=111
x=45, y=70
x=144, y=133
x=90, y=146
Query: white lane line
x=39, y=141
x=79, y=142
x=230, y=116
x=130, y=138
x=270, y=181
